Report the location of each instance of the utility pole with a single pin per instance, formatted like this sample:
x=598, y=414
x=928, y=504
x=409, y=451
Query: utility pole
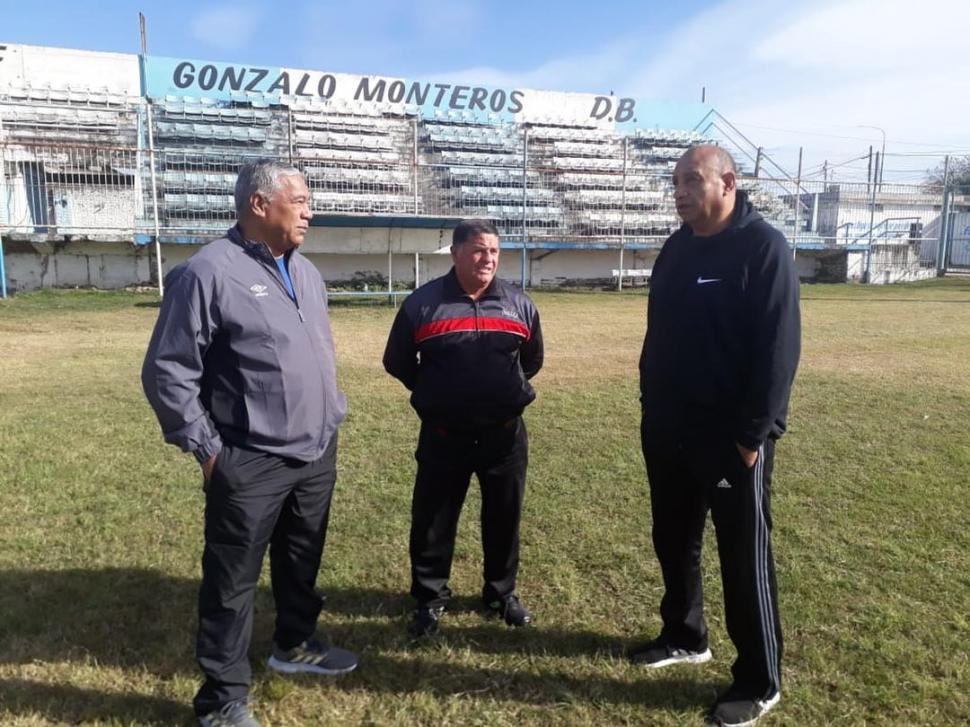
x=877, y=177
x=872, y=222
x=941, y=251
x=869, y=171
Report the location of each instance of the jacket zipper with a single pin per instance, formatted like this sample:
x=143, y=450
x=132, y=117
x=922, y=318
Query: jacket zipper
x=278, y=277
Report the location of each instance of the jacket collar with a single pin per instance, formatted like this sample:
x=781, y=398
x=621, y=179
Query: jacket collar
x=254, y=247
x=453, y=289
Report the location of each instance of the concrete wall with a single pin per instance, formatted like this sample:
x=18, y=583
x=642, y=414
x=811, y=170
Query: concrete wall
x=889, y=264
x=34, y=264
x=87, y=264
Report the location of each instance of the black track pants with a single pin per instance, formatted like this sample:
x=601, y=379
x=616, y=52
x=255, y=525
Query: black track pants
x=446, y=461
x=255, y=500
x=687, y=480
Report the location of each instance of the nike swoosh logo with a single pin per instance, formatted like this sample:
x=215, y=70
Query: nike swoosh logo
x=701, y=281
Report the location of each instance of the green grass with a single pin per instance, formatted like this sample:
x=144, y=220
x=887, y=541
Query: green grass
x=100, y=530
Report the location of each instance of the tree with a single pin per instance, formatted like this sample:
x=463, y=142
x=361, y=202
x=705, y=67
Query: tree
x=959, y=174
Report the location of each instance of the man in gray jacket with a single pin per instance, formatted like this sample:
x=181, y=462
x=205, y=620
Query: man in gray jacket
x=240, y=372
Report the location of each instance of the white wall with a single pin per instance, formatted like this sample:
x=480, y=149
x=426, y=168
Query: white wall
x=87, y=264
x=63, y=68
x=119, y=264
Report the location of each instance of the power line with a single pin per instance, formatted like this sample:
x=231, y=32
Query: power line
x=840, y=136
x=952, y=152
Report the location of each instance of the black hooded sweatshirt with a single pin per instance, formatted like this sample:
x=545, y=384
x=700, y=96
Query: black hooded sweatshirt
x=723, y=334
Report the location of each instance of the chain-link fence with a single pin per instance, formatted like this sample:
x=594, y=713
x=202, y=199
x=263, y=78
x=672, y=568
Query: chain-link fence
x=100, y=167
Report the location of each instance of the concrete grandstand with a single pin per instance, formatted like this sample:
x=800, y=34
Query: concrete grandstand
x=115, y=167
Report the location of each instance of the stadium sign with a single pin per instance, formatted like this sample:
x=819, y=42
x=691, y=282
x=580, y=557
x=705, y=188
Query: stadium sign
x=158, y=77
x=226, y=81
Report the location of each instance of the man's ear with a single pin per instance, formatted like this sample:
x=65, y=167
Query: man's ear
x=257, y=204
x=730, y=181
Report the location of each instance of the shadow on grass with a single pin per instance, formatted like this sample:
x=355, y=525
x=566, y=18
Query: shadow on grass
x=148, y=304
x=127, y=617
x=145, y=621
x=67, y=704
x=398, y=675
x=486, y=635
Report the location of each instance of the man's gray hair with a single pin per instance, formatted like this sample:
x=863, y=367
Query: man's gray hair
x=260, y=177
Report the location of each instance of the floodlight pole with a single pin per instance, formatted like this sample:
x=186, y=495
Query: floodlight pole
x=151, y=165
x=3, y=272
x=3, y=184
x=414, y=165
x=619, y=278
x=144, y=34
x=525, y=197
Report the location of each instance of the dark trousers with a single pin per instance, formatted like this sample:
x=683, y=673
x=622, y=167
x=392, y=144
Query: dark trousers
x=498, y=455
x=255, y=500
x=687, y=480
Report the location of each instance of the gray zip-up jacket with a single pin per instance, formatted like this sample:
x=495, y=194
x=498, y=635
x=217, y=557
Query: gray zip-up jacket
x=233, y=358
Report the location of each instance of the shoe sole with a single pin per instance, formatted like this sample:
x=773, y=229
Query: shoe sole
x=700, y=658
x=289, y=667
x=765, y=708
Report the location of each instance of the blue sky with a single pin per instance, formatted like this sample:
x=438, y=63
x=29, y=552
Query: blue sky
x=815, y=74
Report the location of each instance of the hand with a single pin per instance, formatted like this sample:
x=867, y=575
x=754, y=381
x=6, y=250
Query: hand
x=207, y=468
x=748, y=456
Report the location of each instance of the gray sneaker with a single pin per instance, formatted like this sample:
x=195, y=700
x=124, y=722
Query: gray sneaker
x=231, y=714
x=312, y=657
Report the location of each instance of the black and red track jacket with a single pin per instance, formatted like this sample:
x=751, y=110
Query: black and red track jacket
x=467, y=363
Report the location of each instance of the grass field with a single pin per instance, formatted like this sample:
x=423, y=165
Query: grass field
x=100, y=530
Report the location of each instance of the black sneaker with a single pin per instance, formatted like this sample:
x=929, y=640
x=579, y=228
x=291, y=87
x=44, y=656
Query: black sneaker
x=424, y=622
x=734, y=710
x=511, y=610
x=658, y=653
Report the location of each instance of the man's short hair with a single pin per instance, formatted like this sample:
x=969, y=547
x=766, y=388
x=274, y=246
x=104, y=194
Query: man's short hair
x=725, y=160
x=722, y=157
x=260, y=177
x=467, y=229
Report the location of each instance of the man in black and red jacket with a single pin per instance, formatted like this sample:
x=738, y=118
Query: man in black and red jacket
x=722, y=345
x=465, y=345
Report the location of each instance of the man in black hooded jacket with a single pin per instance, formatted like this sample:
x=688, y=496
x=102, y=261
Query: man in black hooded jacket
x=718, y=361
